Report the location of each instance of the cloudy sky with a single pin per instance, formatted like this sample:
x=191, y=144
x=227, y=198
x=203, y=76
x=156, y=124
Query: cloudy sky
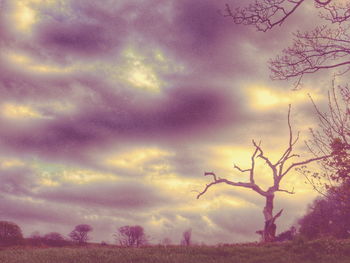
x=111, y=111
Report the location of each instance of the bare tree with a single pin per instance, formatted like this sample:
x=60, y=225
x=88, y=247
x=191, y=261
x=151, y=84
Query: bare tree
x=80, y=233
x=131, y=236
x=325, y=47
x=331, y=137
x=186, y=237
x=278, y=169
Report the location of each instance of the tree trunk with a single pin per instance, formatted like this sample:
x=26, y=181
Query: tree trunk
x=269, y=232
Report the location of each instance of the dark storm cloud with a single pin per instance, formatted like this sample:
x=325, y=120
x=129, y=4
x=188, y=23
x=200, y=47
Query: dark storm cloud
x=122, y=195
x=66, y=35
x=20, y=86
x=198, y=35
x=182, y=113
x=74, y=38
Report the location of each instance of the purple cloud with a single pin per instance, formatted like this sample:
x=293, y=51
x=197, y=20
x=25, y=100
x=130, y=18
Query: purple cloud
x=119, y=195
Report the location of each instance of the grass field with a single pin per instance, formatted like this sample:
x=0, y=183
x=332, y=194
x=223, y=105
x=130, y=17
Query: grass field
x=321, y=251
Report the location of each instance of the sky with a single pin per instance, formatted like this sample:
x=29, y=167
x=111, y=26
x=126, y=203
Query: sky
x=111, y=112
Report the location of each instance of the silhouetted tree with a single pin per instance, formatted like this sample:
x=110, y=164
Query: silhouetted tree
x=325, y=47
x=278, y=170
x=80, y=233
x=329, y=215
x=186, y=237
x=131, y=236
x=10, y=234
x=54, y=239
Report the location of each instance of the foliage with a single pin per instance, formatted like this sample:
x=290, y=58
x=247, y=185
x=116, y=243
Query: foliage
x=54, y=239
x=301, y=251
x=80, y=233
x=341, y=159
x=35, y=239
x=131, y=236
x=328, y=216
x=10, y=234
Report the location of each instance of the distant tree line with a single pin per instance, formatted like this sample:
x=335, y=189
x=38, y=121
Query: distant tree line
x=11, y=235
x=328, y=216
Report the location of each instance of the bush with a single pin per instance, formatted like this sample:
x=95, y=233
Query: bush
x=328, y=216
x=54, y=239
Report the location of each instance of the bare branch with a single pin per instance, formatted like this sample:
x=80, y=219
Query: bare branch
x=218, y=181
x=277, y=215
x=241, y=170
x=264, y=15
x=326, y=2
x=321, y=48
x=303, y=163
x=286, y=191
x=262, y=156
x=212, y=174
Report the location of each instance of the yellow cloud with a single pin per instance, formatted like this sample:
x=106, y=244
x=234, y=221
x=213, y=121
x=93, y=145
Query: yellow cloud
x=265, y=98
x=173, y=182
x=24, y=17
x=81, y=176
x=48, y=182
x=17, y=111
x=139, y=73
x=134, y=158
x=9, y=163
x=262, y=97
x=30, y=64
x=143, y=77
x=55, y=175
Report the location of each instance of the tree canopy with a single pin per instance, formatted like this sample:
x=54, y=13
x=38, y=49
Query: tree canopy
x=131, y=236
x=10, y=234
x=80, y=233
x=329, y=215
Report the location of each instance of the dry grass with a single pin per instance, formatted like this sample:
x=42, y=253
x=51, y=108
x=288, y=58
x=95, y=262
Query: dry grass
x=299, y=251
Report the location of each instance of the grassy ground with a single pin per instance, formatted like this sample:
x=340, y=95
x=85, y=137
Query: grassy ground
x=322, y=251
